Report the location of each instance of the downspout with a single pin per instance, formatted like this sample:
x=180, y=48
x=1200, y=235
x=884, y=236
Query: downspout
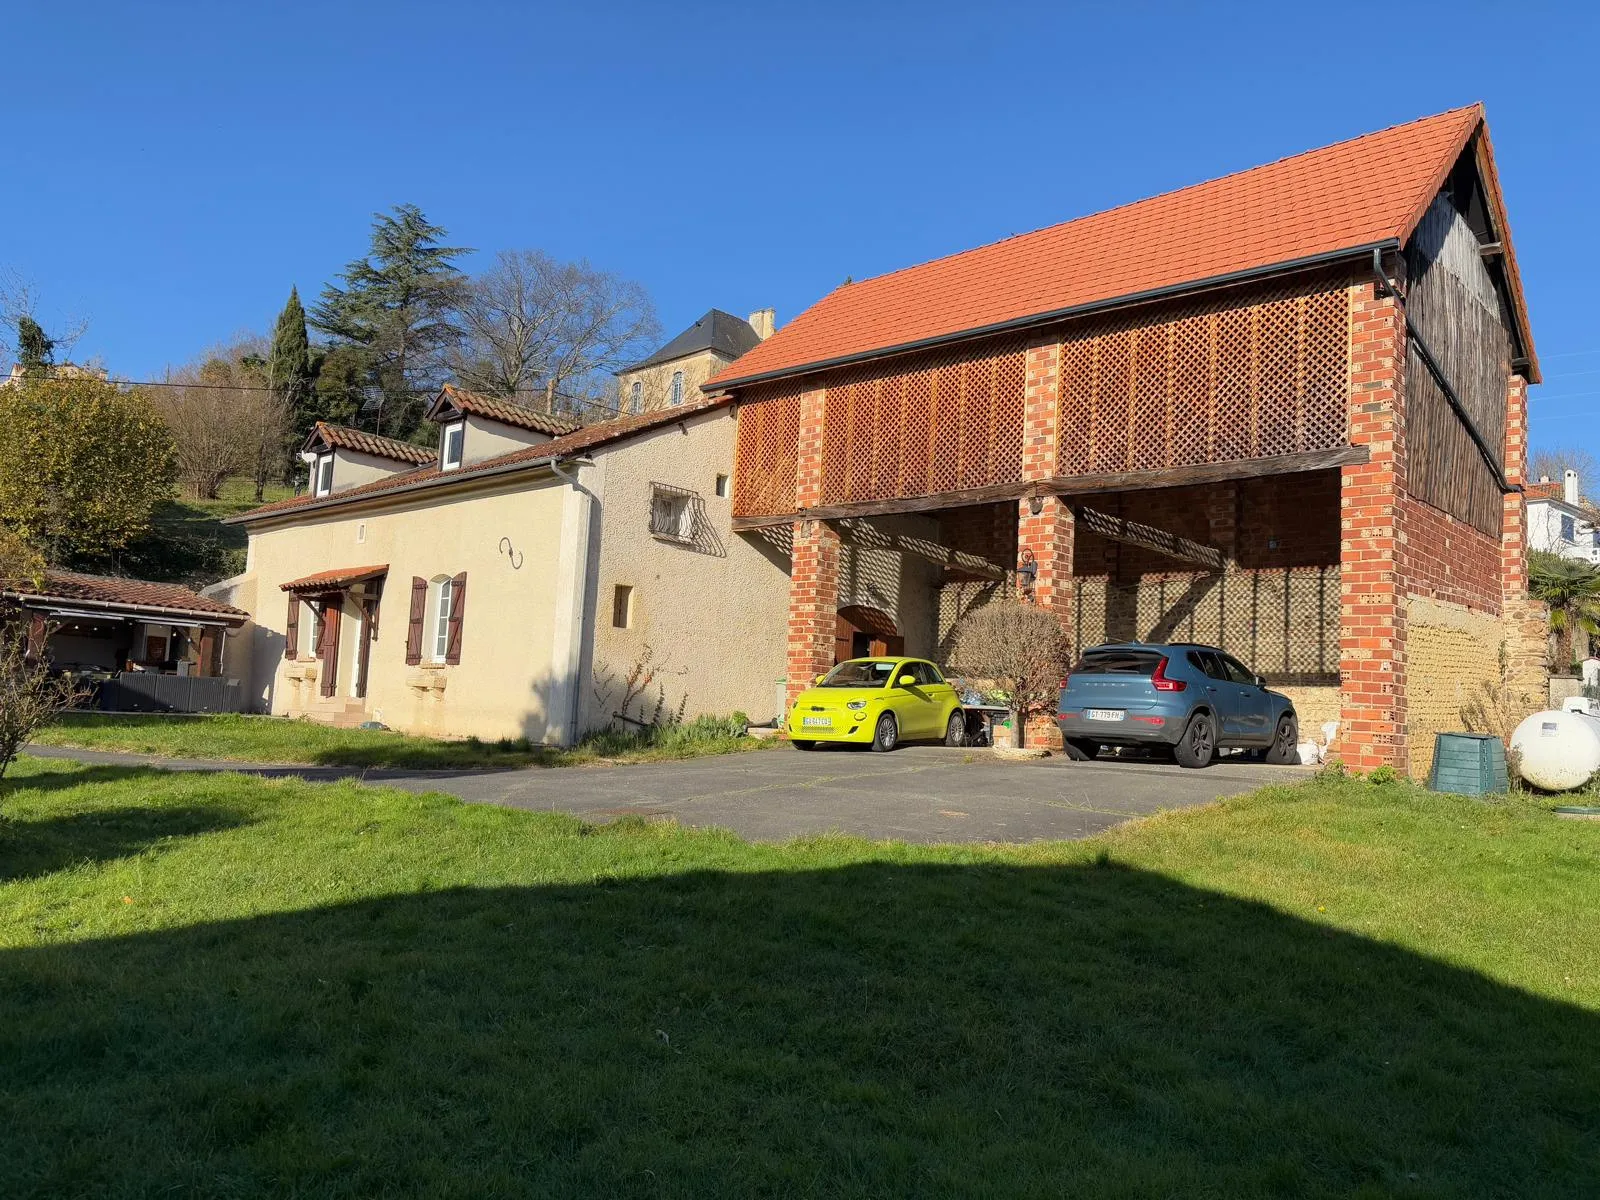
x=1413, y=337
x=572, y=584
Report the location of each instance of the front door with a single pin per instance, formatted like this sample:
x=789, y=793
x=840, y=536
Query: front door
x=861, y=632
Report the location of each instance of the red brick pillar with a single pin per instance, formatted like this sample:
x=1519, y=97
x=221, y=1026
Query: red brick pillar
x=1044, y=523
x=1372, y=621
x=1524, y=621
x=814, y=563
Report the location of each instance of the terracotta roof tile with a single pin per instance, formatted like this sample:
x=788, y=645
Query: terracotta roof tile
x=590, y=437
x=363, y=442
x=129, y=593
x=507, y=412
x=1542, y=491
x=339, y=577
x=1371, y=189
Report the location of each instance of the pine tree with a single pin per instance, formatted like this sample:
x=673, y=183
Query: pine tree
x=289, y=366
x=398, y=304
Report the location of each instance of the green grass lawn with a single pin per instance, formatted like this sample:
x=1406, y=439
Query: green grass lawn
x=223, y=986
x=276, y=740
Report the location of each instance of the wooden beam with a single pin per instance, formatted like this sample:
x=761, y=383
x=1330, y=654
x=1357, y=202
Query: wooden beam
x=1244, y=468
x=1132, y=533
x=1072, y=485
x=1492, y=249
x=961, y=498
x=861, y=531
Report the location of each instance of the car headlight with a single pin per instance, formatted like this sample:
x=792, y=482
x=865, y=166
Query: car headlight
x=857, y=705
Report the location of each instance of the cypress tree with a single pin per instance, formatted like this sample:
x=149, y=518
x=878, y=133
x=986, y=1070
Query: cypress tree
x=289, y=366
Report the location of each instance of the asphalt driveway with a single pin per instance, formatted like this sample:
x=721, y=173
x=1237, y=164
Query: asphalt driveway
x=917, y=794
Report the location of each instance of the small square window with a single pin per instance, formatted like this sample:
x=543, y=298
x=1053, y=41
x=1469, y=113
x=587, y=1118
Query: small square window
x=723, y=486
x=622, y=606
x=672, y=514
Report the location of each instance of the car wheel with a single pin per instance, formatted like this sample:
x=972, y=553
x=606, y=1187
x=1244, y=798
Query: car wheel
x=1081, y=750
x=887, y=735
x=1198, y=745
x=1285, y=748
x=802, y=744
x=955, y=729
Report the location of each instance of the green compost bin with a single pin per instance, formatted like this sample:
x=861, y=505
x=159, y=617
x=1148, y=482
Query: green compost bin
x=1468, y=764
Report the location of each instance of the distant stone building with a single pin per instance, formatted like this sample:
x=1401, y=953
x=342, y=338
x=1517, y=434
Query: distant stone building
x=674, y=374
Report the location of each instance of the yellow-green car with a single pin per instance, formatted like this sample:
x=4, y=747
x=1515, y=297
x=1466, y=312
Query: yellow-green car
x=879, y=702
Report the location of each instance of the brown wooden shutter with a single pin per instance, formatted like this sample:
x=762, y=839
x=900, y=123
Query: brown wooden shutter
x=419, y=608
x=330, y=646
x=291, y=631
x=458, y=609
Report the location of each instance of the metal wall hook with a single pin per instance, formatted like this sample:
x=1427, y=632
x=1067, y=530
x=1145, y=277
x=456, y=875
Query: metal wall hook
x=510, y=552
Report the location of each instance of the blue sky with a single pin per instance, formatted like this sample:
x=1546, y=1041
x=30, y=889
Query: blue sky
x=171, y=169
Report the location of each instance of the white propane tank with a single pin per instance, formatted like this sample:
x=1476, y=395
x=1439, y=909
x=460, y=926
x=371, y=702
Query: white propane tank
x=1557, y=751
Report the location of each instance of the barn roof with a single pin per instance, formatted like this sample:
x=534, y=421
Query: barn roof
x=1324, y=204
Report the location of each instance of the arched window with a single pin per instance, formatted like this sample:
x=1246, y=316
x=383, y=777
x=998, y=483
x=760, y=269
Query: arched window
x=675, y=395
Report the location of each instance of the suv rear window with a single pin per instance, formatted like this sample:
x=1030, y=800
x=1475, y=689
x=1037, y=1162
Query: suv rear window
x=1118, y=662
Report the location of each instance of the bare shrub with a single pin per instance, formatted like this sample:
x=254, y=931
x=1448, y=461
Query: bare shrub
x=29, y=694
x=1022, y=648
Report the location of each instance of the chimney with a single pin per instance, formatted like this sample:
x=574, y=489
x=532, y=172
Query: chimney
x=764, y=322
x=1569, y=486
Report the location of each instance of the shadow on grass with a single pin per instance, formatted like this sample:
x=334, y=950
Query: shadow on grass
x=29, y=849
x=872, y=1030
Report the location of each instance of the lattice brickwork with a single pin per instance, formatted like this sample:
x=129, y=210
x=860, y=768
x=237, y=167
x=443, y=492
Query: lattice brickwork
x=1208, y=383
x=765, y=459
x=938, y=423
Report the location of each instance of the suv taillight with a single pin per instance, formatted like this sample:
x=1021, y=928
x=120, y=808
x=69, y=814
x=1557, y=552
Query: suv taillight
x=1159, y=680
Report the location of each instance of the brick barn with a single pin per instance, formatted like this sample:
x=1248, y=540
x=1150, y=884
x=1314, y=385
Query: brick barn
x=1283, y=411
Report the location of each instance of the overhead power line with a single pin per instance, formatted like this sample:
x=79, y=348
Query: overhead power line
x=248, y=387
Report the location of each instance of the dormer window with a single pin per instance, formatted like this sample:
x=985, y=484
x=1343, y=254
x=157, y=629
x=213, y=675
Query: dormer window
x=322, y=474
x=636, y=398
x=675, y=395
x=451, y=440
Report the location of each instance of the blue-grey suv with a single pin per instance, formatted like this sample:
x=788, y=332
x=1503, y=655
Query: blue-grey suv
x=1191, y=698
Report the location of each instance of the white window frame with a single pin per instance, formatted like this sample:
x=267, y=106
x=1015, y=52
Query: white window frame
x=672, y=515
x=446, y=463
x=443, y=600
x=675, y=393
x=322, y=474
x=1569, y=529
x=636, y=397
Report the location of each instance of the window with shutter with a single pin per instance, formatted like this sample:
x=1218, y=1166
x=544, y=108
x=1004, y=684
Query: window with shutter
x=291, y=630
x=329, y=650
x=458, y=611
x=419, y=611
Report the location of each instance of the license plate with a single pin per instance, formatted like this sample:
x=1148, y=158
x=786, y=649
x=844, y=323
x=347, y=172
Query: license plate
x=1104, y=714
x=816, y=721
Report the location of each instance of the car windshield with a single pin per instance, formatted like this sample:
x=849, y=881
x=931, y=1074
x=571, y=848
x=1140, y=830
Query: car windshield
x=859, y=673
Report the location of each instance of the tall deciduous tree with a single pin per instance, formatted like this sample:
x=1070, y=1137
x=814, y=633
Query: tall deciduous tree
x=535, y=328
x=289, y=367
x=82, y=466
x=225, y=419
x=398, y=304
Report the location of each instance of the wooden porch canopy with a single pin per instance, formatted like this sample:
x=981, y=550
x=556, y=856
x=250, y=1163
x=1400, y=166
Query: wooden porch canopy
x=337, y=580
